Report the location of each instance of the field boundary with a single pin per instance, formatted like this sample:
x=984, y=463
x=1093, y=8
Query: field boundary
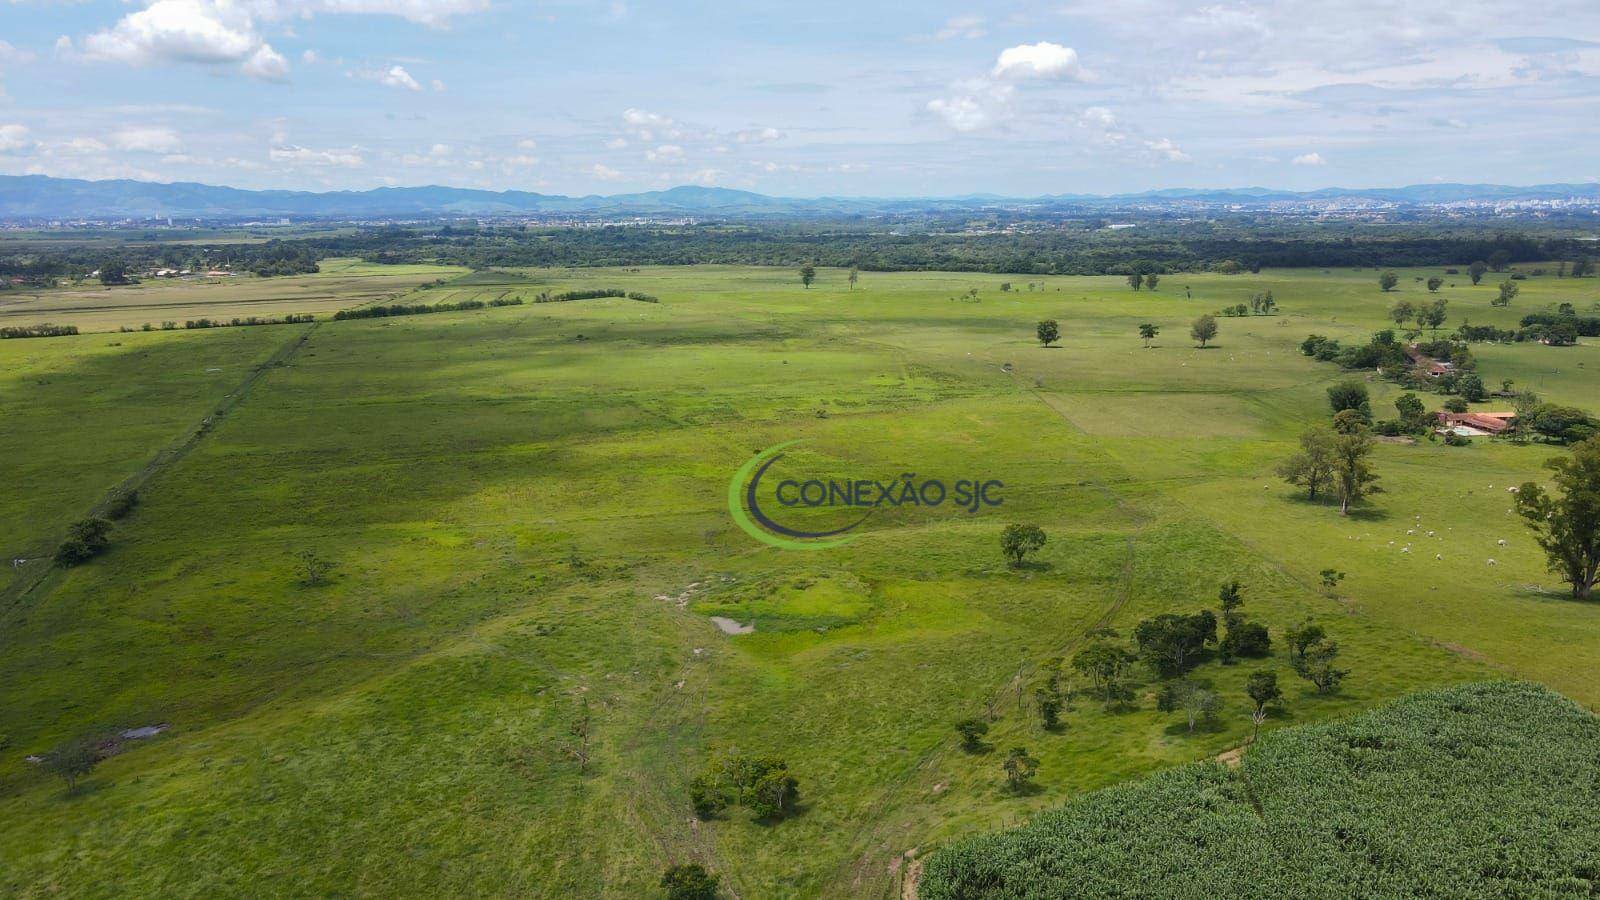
x=33, y=572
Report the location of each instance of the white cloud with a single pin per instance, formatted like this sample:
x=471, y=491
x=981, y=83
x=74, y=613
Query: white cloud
x=973, y=105
x=213, y=33
x=147, y=139
x=968, y=25
x=397, y=77
x=79, y=146
x=1167, y=150
x=604, y=172
x=527, y=144
x=520, y=161
x=758, y=135
x=960, y=113
x=14, y=138
x=1309, y=159
x=705, y=177
x=1043, y=60
x=1098, y=116
x=665, y=153
x=616, y=143
x=437, y=85
x=433, y=13
x=309, y=57
x=10, y=55
x=304, y=156
x=647, y=126
x=225, y=32
x=266, y=64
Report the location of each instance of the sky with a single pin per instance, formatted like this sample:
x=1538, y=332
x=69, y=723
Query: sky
x=818, y=98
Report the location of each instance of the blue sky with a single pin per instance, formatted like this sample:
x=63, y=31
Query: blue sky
x=845, y=98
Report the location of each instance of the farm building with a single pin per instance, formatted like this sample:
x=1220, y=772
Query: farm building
x=1433, y=367
x=1477, y=424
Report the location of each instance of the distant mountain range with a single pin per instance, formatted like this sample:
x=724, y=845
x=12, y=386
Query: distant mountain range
x=32, y=197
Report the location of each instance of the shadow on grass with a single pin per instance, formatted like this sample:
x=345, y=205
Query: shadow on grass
x=1181, y=728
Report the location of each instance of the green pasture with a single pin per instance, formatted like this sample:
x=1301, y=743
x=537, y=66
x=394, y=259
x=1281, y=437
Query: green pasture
x=526, y=509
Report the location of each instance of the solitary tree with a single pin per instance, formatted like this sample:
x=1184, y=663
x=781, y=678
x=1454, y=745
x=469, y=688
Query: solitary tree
x=1432, y=315
x=855, y=275
x=1499, y=259
x=73, y=761
x=1312, y=467
x=1104, y=662
x=86, y=539
x=1263, y=689
x=1353, y=477
x=1204, y=329
x=1047, y=697
x=1414, y=416
x=690, y=881
x=1402, y=312
x=972, y=729
x=1567, y=526
x=1020, y=769
x=1148, y=332
x=1349, y=421
x=1350, y=394
x=1301, y=636
x=1434, y=284
x=1331, y=578
x=808, y=274
x=1388, y=280
x=1049, y=332
x=1017, y=541
x=1198, y=702
x=1508, y=292
x=1476, y=270
x=313, y=568
x=1135, y=280
x=1315, y=664
x=1151, y=280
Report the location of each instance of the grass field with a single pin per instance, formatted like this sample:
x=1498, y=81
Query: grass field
x=526, y=507
x=94, y=307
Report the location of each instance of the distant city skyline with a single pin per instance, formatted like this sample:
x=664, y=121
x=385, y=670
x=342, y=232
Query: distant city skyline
x=828, y=98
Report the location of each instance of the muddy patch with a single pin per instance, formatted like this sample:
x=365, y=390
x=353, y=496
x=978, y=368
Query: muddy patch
x=729, y=626
x=1231, y=758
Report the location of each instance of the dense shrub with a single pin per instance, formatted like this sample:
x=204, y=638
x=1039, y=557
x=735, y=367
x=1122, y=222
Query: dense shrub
x=417, y=309
x=86, y=539
x=32, y=331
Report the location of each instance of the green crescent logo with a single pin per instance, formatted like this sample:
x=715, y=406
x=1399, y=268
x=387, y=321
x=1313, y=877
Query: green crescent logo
x=748, y=516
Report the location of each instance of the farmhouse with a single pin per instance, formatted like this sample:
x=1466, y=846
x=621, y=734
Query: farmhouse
x=1433, y=367
x=1477, y=424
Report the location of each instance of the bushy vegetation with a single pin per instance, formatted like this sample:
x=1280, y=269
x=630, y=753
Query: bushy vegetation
x=417, y=309
x=86, y=539
x=32, y=331
x=1481, y=790
x=594, y=294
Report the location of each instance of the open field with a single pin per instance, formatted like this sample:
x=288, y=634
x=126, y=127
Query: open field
x=526, y=507
x=94, y=307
